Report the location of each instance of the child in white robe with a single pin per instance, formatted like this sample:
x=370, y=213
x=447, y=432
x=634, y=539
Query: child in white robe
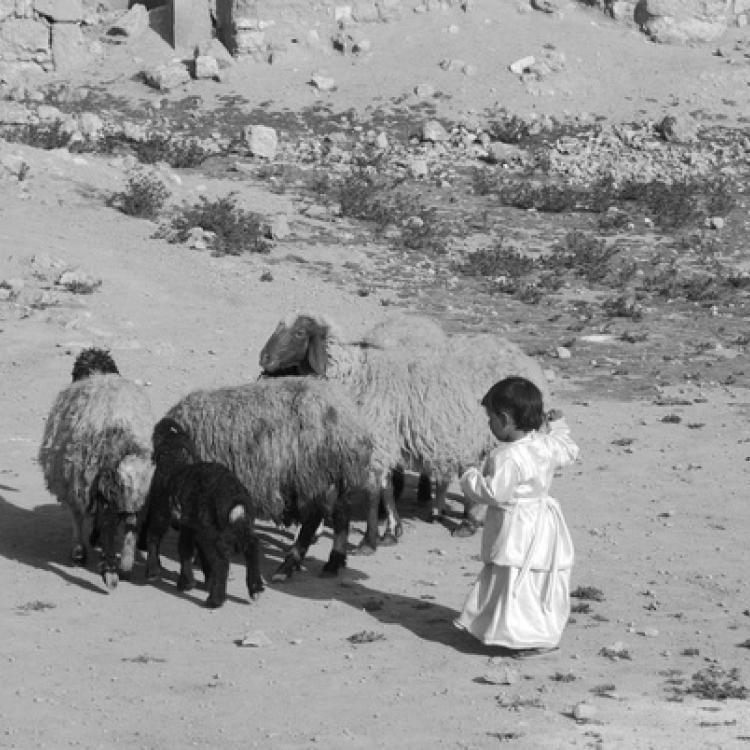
x=520, y=599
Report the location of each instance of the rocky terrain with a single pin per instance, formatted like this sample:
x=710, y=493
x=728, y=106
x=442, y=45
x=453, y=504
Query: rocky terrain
x=551, y=171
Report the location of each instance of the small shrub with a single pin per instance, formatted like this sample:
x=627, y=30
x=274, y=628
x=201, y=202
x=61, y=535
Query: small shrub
x=584, y=255
x=144, y=197
x=498, y=260
x=41, y=135
x=715, y=683
x=588, y=592
x=235, y=231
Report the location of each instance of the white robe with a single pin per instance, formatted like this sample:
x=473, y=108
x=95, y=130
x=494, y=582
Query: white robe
x=521, y=597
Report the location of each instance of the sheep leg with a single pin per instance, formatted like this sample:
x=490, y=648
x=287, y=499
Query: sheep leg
x=369, y=543
x=298, y=550
x=78, y=548
x=186, y=549
x=438, y=508
x=253, y=578
x=155, y=526
x=96, y=532
x=216, y=549
x=127, y=555
x=424, y=489
x=398, y=480
x=341, y=517
x=393, y=528
x=108, y=565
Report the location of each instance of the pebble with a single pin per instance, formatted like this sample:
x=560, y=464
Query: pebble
x=584, y=711
x=522, y=64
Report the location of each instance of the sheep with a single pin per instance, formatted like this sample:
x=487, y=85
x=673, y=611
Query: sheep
x=297, y=445
x=215, y=513
x=423, y=412
x=95, y=456
x=93, y=360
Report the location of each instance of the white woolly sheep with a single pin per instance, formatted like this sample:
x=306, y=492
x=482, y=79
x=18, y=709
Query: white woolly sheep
x=96, y=459
x=297, y=445
x=423, y=412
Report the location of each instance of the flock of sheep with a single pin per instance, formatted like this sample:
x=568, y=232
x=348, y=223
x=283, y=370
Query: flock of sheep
x=329, y=421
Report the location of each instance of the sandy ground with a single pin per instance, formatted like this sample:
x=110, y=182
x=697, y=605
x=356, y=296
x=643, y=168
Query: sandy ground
x=658, y=509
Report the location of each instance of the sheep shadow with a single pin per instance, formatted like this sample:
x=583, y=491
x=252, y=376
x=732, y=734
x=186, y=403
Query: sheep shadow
x=40, y=538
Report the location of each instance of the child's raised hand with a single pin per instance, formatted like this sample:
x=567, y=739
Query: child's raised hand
x=554, y=414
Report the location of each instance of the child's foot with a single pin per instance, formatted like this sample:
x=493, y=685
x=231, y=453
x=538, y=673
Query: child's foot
x=465, y=529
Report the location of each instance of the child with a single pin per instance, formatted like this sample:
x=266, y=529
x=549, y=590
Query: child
x=521, y=598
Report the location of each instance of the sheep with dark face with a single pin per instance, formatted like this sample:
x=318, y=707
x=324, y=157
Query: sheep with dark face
x=96, y=459
x=297, y=445
x=419, y=397
x=93, y=360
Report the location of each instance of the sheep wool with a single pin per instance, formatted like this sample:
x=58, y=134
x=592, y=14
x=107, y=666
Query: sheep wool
x=94, y=424
x=287, y=440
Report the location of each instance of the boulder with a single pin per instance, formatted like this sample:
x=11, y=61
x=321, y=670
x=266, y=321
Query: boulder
x=261, y=140
x=685, y=21
x=167, y=76
x=130, y=24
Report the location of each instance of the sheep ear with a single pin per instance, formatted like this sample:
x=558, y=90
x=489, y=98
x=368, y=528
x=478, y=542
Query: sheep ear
x=317, y=353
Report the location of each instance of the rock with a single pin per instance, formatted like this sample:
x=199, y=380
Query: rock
x=678, y=129
x=381, y=140
x=584, y=711
x=322, y=83
x=206, y=67
x=522, y=65
x=424, y=90
x=433, y=132
x=255, y=639
x=214, y=48
x=79, y=282
x=501, y=675
x=261, y=140
x=278, y=228
x=504, y=153
x=167, y=76
x=562, y=352
x=90, y=125
x=685, y=21
x=418, y=168
x=131, y=24
x=66, y=11
x=715, y=222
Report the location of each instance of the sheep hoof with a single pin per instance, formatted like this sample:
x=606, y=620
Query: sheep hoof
x=110, y=579
x=212, y=603
x=388, y=539
x=465, y=529
x=399, y=530
x=78, y=554
x=335, y=563
x=364, y=548
x=185, y=584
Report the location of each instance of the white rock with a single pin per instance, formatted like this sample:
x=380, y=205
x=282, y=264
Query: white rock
x=434, y=132
x=261, y=140
x=562, y=352
x=323, y=83
x=522, y=64
x=206, y=67
x=418, y=168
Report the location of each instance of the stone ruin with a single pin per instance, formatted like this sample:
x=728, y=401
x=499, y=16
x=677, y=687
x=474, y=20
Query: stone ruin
x=65, y=35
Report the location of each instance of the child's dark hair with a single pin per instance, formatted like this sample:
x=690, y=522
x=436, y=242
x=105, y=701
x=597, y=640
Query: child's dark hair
x=518, y=397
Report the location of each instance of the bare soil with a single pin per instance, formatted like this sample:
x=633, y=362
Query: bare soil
x=657, y=506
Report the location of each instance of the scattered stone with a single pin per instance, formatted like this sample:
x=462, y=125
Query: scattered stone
x=214, y=48
x=14, y=164
x=167, y=76
x=366, y=636
x=584, y=712
x=522, y=65
x=261, y=141
x=715, y=222
x=78, y=282
x=418, y=168
x=90, y=125
x=433, y=132
x=562, y=352
x=648, y=632
x=278, y=228
x=255, y=639
x=424, y=90
x=678, y=129
x=130, y=25
x=206, y=67
x=502, y=675
x=322, y=83
x=504, y=153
